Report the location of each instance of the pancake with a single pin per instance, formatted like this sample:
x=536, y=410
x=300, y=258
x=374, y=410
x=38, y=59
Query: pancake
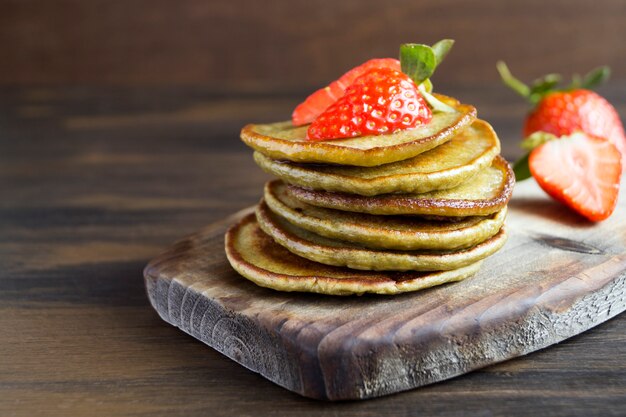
x=382, y=232
x=285, y=141
x=340, y=253
x=487, y=192
x=256, y=256
x=445, y=166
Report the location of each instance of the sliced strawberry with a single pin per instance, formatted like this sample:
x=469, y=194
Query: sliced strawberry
x=380, y=101
x=582, y=171
x=316, y=103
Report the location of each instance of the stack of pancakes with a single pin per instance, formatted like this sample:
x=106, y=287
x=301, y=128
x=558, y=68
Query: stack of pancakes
x=379, y=214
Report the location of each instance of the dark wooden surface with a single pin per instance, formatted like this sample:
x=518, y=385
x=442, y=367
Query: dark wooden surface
x=295, y=45
x=556, y=277
x=95, y=182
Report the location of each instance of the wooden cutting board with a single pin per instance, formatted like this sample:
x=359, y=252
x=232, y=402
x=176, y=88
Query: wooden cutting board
x=557, y=276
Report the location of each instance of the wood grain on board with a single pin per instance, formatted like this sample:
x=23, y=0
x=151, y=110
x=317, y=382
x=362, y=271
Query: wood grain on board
x=557, y=276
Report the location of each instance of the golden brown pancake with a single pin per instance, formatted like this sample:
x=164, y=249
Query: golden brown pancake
x=382, y=232
x=445, y=166
x=256, y=256
x=486, y=193
x=285, y=141
x=342, y=253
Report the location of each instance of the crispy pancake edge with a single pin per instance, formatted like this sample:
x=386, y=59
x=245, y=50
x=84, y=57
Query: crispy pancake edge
x=397, y=204
x=377, y=237
x=360, y=283
x=358, y=257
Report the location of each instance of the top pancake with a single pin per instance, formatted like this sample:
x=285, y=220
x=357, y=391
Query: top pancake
x=445, y=166
x=284, y=141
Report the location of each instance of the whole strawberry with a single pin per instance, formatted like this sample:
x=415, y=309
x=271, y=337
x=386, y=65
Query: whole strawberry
x=382, y=100
x=577, y=110
x=567, y=110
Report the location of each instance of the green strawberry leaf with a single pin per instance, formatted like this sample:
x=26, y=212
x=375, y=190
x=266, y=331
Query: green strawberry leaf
x=596, y=77
x=512, y=82
x=536, y=139
x=550, y=83
x=577, y=82
x=441, y=49
x=521, y=168
x=542, y=86
x=417, y=61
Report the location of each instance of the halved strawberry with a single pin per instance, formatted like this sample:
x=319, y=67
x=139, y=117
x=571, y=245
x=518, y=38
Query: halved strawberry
x=316, y=103
x=580, y=170
x=382, y=100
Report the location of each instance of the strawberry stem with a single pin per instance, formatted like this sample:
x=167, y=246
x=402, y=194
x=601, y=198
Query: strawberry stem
x=434, y=102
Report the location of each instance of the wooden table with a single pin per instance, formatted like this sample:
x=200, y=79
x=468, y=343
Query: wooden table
x=96, y=181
